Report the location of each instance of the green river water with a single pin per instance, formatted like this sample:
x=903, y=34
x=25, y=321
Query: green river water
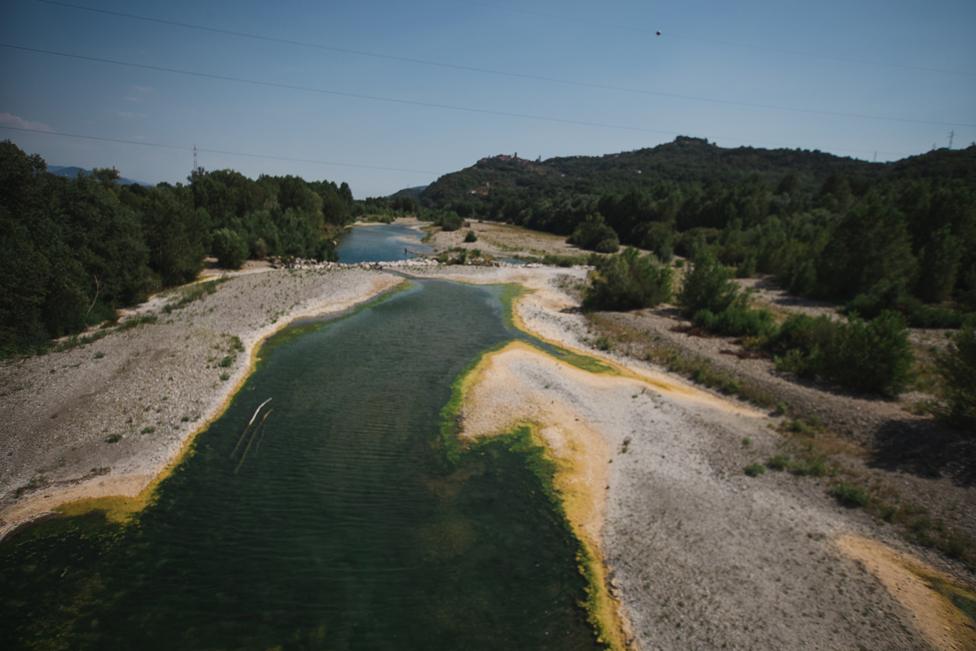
x=338, y=525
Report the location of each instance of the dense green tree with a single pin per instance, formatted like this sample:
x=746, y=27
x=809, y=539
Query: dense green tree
x=628, y=281
x=957, y=367
x=175, y=232
x=75, y=250
x=870, y=247
x=593, y=234
x=229, y=248
x=708, y=286
x=939, y=268
x=870, y=356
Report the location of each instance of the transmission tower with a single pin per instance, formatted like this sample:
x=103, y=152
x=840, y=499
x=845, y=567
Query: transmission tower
x=952, y=134
x=195, y=168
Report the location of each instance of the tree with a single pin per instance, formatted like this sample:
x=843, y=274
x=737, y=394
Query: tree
x=228, y=247
x=628, y=281
x=957, y=367
x=940, y=260
x=870, y=247
x=175, y=234
x=595, y=235
x=708, y=286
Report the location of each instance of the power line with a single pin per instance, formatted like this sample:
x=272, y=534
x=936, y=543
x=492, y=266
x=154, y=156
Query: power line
x=337, y=93
x=223, y=152
x=503, y=73
x=392, y=100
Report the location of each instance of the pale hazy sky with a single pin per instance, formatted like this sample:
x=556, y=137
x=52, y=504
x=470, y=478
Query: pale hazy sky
x=910, y=60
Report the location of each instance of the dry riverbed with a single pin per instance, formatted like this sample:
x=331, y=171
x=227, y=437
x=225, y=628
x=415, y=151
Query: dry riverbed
x=697, y=554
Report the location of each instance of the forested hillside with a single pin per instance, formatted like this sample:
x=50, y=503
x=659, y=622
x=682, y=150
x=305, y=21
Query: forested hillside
x=77, y=249
x=882, y=235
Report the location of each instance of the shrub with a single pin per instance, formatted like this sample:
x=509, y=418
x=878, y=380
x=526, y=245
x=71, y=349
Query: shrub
x=226, y=361
x=754, y=469
x=866, y=356
x=708, y=286
x=229, y=249
x=737, y=320
x=957, y=367
x=816, y=467
x=628, y=281
x=593, y=234
x=471, y=237
x=448, y=220
x=779, y=462
x=849, y=495
x=916, y=313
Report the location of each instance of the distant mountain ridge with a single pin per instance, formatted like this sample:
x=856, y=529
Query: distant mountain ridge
x=413, y=192
x=72, y=171
x=685, y=159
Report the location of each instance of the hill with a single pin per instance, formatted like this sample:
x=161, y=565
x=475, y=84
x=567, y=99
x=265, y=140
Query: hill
x=409, y=193
x=72, y=172
x=685, y=160
x=881, y=235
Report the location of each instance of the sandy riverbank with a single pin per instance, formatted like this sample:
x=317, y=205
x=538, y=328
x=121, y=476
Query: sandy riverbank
x=698, y=554
x=106, y=419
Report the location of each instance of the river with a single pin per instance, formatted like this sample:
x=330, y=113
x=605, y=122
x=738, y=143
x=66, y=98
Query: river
x=336, y=522
x=381, y=243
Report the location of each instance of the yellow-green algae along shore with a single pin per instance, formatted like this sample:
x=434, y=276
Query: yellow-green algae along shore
x=603, y=611
x=121, y=508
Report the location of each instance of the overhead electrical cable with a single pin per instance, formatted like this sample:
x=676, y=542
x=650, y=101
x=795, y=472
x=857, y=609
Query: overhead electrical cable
x=223, y=152
x=504, y=73
x=391, y=100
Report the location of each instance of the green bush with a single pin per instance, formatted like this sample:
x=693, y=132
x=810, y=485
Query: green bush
x=229, y=248
x=849, y=495
x=593, y=234
x=779, y=462
x=957, y=367
x=917, y=313
x=471, y=237
x=448, y=220
x=708, y=286
x=628, y=281
x=872, y=356
x=754, y=469
x=737, y=320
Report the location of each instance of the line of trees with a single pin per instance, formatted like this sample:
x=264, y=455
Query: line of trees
x=77, y=249
x=896, y=237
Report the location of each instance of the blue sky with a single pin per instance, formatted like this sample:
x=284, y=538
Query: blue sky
x=902, y=59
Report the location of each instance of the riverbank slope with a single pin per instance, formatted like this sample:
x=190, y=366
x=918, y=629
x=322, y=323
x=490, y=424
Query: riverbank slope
x=699, y=554
x=105, y=419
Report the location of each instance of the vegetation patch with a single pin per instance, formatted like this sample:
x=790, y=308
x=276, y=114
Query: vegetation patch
x=193, y=293
x=872, y=356
x=957, y=368
x=628, y=281
x=849, y=495
x=754, y=469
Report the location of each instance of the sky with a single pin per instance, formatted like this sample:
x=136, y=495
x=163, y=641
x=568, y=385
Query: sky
x=862, y=78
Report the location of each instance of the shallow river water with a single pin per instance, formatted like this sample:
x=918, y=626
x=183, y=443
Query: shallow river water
x=381, y=242
x=337, y=522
